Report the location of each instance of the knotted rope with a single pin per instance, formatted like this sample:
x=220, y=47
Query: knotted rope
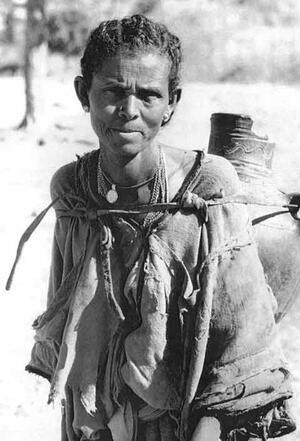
x=190, y=202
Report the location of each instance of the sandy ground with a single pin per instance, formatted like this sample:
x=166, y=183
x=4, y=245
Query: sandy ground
x=28, y=159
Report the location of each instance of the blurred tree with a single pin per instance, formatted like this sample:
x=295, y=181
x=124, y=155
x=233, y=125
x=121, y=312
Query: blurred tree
x=145, y=7
x=9, y=23
x=35, y=36
x=67, y=30
x=64, y=28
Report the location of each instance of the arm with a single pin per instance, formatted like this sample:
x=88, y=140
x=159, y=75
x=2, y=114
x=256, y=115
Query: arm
x=62, y=259
x=48, y=333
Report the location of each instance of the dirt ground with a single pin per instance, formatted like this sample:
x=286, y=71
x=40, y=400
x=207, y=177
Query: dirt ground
x=28, y=159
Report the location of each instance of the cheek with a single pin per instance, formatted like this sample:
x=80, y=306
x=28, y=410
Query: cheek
x=101, y=117
x=99, y=125
x=154, y=118
x=101, y=111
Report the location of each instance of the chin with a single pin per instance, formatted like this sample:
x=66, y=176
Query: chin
x=129, y=149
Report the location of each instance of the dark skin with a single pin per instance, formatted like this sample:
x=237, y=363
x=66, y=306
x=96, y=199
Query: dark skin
x=128, y=103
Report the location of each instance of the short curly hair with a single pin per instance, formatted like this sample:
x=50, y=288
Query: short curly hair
x=128, y=35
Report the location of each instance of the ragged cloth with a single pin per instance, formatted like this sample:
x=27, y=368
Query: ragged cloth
x=173, y=322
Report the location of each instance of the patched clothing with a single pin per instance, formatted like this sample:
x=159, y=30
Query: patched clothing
x=149, y=329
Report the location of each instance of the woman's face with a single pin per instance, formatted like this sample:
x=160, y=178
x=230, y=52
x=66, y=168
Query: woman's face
x=128, y=99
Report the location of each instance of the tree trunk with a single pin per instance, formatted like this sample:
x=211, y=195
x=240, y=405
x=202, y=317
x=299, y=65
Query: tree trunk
x=10, y=24
x=35, y=36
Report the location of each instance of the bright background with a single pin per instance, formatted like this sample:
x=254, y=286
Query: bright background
x=240, y=57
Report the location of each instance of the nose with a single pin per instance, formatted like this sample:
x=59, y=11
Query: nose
x=128, y=109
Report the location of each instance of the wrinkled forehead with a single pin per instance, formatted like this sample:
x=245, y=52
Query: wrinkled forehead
x=142, y=71
x=143, y=58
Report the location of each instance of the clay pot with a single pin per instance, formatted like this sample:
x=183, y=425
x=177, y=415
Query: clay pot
x=278, y=238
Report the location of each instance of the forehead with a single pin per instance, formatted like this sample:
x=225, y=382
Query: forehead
x=135, y=67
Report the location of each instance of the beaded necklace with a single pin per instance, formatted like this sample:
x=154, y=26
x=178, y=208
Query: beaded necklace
x=159, y=188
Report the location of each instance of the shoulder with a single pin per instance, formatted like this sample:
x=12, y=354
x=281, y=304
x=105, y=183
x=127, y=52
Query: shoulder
x=179, y=156
x=204, y=174
x=70, y=178
x=74, y=178
x=64, y=180
x=216, y=174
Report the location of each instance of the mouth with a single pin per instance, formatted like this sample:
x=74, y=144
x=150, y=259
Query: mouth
x=125, y=130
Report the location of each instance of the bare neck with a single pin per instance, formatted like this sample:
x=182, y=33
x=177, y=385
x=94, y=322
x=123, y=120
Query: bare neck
x=131, y=170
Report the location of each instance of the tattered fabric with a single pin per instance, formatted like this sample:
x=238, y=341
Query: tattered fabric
x=148, y=330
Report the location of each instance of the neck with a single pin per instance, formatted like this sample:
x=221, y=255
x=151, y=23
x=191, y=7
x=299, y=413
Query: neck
x=131, y=170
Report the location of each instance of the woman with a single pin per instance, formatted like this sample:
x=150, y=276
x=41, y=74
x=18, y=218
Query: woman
x=159, y=324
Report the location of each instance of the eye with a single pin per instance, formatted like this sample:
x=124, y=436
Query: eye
x=116, y=93
x=148, y=96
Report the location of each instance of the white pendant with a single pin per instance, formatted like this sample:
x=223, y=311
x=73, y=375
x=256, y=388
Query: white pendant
x=112, y=195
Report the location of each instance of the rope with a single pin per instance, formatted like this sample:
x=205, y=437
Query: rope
x=29, y=230
x=25, y=236
x=268, y=216
x=196, y=203
x=105, y=245
x=93, y=214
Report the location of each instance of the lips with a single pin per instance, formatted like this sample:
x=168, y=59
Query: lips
x=125, y=130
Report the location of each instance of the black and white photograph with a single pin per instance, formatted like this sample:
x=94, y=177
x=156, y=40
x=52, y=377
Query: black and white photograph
x=150, y=220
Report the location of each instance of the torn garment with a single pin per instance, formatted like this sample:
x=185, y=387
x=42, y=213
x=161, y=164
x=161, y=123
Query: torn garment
x=179, y=319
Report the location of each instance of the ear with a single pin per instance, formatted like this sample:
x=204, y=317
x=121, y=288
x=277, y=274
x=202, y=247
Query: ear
x=172, y=104
x=81, y=92
x=177, y=96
